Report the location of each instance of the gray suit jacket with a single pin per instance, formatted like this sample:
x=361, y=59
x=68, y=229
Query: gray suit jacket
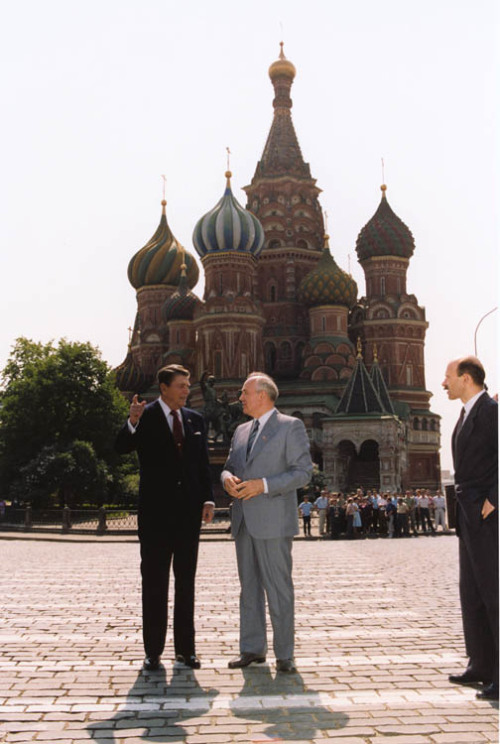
x=281, y=455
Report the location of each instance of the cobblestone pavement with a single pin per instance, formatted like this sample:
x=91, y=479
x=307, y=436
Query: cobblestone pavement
x=378, y=632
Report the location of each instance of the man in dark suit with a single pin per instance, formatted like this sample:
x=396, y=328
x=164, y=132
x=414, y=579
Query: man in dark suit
x=175, y=494
x=268, y=461
x=475, y=458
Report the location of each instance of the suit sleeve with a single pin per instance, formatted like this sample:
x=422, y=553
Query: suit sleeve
x=228, y=468
x=125, y=441
x=299, y=465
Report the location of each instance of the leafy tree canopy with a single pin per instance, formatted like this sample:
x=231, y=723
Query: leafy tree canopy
x=56, y=398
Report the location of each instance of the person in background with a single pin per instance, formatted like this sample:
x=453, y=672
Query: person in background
x=305, y=509
x=439, y=511
x=321, y=504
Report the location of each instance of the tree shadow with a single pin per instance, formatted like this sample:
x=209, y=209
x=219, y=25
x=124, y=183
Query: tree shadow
x=293, y=711
x=156, y=707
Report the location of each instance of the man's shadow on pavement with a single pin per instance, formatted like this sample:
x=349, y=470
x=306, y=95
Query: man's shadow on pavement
x=297, y=713
x=152, y=688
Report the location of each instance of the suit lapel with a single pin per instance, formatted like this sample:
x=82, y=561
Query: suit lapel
x=460, y=439
x=163, y=426
x=268, y=431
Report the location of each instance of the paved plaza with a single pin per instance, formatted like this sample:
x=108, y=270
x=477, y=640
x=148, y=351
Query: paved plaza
x=378, y=631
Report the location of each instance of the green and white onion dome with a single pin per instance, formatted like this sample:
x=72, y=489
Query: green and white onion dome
x=228, y=227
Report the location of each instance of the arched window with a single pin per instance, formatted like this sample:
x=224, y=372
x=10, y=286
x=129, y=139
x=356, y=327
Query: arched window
x=285, y=351
x=416, y=424
x=270, y=357
x=273, y=293
x=382, y=285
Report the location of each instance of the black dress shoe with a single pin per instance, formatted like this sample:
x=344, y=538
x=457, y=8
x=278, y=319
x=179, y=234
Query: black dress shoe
x=245, y=659
x=465, y=679
x=151, y=663
x=490, y=692
x=286, y=665
x=190, y=661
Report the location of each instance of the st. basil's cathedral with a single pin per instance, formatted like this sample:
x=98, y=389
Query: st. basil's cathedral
x=352, y=368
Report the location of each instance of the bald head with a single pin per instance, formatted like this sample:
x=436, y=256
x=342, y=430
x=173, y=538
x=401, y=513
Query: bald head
x=464, y=378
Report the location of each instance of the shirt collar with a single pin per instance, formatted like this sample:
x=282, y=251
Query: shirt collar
x=166, y=408
x=265, y=417
x=470, y=403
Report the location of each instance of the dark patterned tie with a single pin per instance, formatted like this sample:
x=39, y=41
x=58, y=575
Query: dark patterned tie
x=177, y=431
x=251, y=438
x=460, y=421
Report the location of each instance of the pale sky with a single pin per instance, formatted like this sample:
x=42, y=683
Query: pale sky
x=101, y=98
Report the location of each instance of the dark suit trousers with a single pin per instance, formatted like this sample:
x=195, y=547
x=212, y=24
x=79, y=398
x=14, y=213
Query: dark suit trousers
x=158, y=553
x=478, y=555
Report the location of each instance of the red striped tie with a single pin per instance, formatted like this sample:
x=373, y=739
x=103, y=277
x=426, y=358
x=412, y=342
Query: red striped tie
x=177, y=431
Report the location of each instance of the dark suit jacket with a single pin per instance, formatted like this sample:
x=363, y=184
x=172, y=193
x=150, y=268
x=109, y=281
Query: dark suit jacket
x=172, y=490
x=475, y=457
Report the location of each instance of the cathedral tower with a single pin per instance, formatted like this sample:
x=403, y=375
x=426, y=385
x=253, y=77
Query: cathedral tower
x=391, y=320
x=155, y=273
x=284, y=197
x=229, y=325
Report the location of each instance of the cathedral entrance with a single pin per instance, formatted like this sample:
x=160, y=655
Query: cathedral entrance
x=358, y=470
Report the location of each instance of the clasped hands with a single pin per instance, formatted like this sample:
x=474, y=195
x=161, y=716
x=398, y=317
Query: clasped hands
x=239, y=489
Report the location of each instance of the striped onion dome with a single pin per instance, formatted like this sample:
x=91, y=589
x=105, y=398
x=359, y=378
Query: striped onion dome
x=228, y=227
x=385, y=234
x=327, y=283
x=182, y=303
x=160, y=261
x=129, y=377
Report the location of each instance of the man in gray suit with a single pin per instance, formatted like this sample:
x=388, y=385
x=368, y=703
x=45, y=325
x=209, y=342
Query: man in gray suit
x=268, y=460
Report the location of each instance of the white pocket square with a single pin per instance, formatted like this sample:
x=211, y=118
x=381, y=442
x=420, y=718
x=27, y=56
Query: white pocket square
x=197, y=433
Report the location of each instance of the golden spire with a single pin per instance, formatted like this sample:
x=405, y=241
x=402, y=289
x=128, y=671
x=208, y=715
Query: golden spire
x=375, y=353
x=228, y=173
x=282, y=66
x=359, y=348
x=164, y=201
x=326, y=239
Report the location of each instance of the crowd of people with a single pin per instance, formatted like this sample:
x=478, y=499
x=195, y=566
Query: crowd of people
x=363, y=514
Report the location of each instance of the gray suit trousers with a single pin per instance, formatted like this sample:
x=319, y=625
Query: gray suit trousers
x=265, y=569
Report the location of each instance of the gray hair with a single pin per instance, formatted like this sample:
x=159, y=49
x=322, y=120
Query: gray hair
x=264, y=383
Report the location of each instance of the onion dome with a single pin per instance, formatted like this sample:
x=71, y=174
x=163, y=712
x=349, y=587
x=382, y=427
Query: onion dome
x=159, y=262
x=327, y=283
x=182, y=303
x=228, y=227
x=385, y=234
x=282, y=67
x=129, y=377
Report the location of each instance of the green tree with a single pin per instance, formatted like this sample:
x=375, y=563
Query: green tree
x=59, y=414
